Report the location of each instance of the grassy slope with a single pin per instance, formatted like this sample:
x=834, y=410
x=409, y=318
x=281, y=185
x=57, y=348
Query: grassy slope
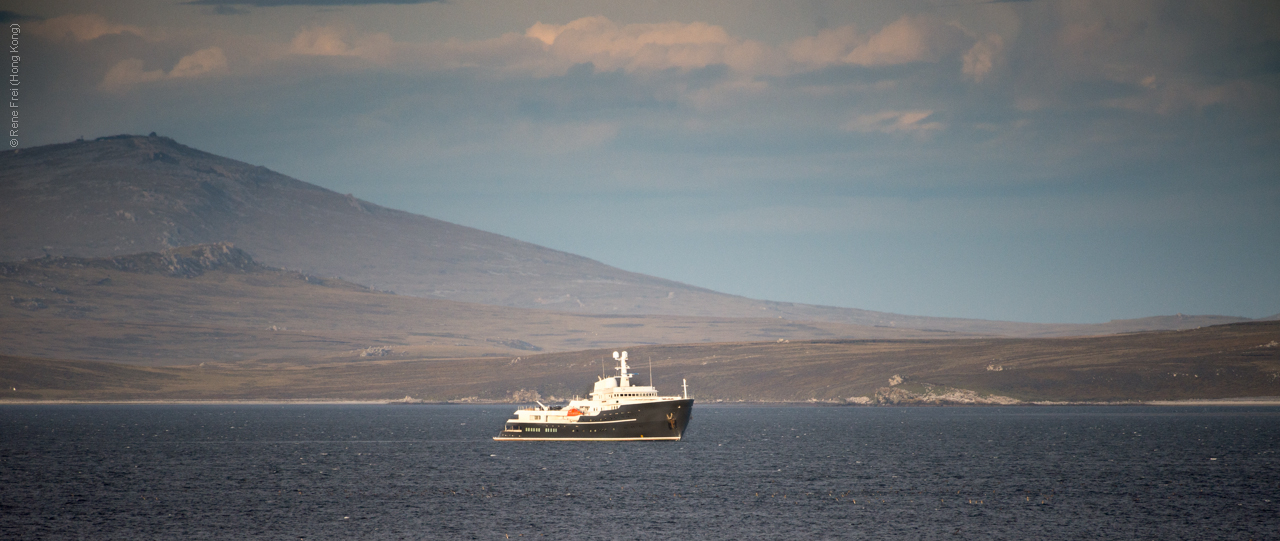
x=133, y=310
x=1214, y=362
x=211, y=324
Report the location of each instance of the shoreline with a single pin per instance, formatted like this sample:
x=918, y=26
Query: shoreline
x=1251, y=401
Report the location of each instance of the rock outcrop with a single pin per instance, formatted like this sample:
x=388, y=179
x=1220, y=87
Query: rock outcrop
x=938, y=396
x=186, y=261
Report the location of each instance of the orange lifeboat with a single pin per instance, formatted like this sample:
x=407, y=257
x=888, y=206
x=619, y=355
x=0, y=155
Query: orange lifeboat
x=574, y=412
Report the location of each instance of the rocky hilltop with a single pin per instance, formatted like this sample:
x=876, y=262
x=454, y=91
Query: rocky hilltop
x=129, y=194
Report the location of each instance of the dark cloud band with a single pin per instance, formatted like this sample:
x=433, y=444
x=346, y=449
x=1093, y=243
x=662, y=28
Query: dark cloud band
x=7, y=17
x=330, y=3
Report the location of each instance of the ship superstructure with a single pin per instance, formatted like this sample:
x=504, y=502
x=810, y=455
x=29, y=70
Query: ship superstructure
x=615, y=411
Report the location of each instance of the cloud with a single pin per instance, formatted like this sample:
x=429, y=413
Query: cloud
x=980, y=59
x=130, y=72
x=906, y=40
x=912, y=122
x=649, y=47
x=903, y=41
x=80, y=28
x=830, y=46
x=1151, y=57
x=633, y=48
x=229, y=10
x=546, y=50
x=331, y=41
x=323, y=41
x=199, y=63
x=510, y=52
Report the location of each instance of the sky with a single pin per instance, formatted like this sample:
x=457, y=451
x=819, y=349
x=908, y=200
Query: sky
x=1065, y=161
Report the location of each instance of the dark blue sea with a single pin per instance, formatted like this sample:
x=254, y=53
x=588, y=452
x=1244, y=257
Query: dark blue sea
x=432, y=472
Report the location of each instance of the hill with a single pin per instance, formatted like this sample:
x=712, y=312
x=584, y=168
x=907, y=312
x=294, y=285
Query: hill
x=214, y=303
x=129, y=194
x=1229, y=361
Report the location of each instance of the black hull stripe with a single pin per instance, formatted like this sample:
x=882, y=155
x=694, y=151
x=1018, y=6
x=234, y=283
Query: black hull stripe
x=676, y=438
x=573, y=423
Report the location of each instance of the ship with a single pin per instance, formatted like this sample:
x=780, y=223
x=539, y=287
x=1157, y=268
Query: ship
x=615, y=411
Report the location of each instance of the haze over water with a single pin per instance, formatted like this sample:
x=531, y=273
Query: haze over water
x=432, y=472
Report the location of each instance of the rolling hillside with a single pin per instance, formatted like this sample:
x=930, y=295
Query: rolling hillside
x=129, y=194
x=1228, y=361
x=213, y=303
x=209, y=322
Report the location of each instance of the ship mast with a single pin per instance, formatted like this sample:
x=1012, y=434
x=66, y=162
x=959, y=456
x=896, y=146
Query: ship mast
x=625, y=379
